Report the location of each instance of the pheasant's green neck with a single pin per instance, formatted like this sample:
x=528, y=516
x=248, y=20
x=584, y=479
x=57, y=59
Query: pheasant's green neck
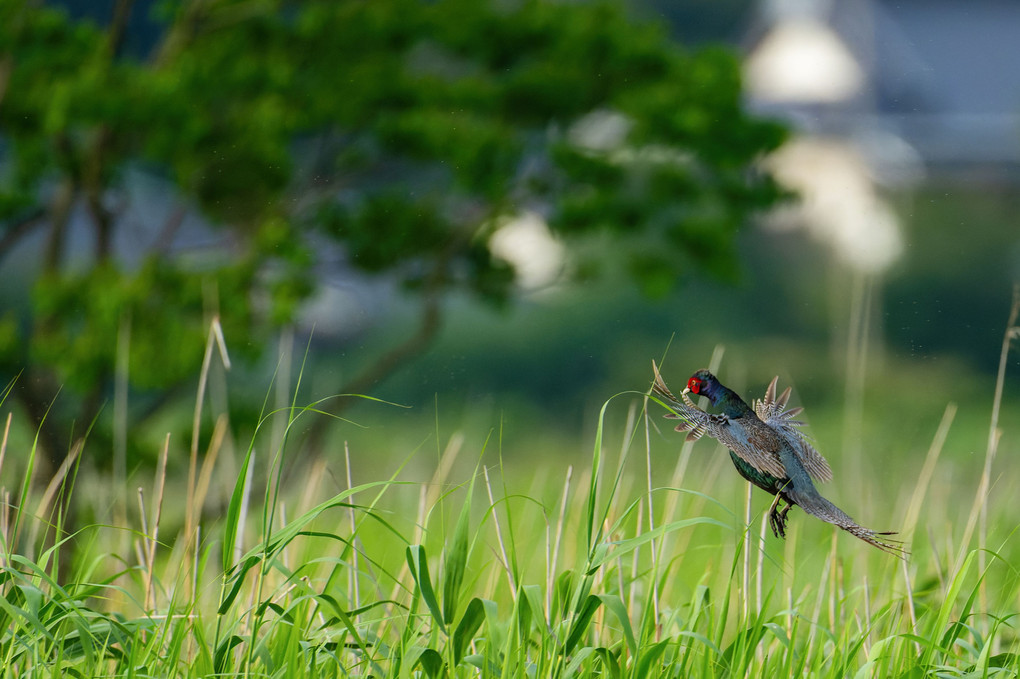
x=732, y=405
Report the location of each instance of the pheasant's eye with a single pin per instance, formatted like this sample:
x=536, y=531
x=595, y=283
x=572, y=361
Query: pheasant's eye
x=694, y=384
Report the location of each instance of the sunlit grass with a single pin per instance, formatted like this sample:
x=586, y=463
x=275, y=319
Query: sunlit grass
x=643, y=558
x=582, y=572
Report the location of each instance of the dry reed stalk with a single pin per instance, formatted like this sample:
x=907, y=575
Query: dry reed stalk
x=928, y=469
x=994, y=434
x=282, y=385
x=54, y=486
x=208, y=464
x=5, y=513
x=655, y=553
x=858, y=335
x=840, y=581
x=354, y=594
x=560, y=520
x=634, y=566
x=621, y=491
x=834, y=560
x=910, y=601
x=3, y=443
x=936, y=558
x=158, y=513
x=746, y=598
x=215, y=340
x=979, y=510
x=790, y=557
x=499, y=532
x=817, y=615
x=761, y=562
x=194, y=573
x=791, y=619
x=866, y=648
x=121, y=375
x=598, y=579
x=5, y=527
x=181, y=552
x=446, y=459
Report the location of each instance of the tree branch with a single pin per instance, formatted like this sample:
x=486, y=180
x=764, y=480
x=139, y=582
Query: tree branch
x=6, y=67
x=93, y=184
x=36, y=392
x=60, y=213
x=19, y=229
x=165, y=238
x=180, y=33
x=118, y=25
x=412, y=346
x=383, y=367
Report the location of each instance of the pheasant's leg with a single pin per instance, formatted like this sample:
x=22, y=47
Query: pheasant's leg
x=777, y=520
x=781, y=518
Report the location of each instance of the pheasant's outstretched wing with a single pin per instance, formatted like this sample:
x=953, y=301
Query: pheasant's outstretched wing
x=772, y=411
x=696, y=422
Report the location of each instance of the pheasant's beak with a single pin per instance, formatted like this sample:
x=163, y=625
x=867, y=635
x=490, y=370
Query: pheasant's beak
x=686, y=391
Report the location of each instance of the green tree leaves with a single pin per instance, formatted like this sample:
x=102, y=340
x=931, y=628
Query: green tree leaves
x=395, y=134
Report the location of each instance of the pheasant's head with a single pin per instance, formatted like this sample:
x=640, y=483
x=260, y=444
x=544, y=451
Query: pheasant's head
x=704, y=383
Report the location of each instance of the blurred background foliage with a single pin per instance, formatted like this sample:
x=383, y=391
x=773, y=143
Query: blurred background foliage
x=306, y=139
x=342, y=172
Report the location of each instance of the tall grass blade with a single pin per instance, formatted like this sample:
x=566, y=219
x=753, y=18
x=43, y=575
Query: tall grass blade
x=465, y=631
x=456, y=558
x=614, y=604
x=345, y=619
x=237, y=512
x=593, y=534
x=432, y=663
x=581, y=622
x=608, y=551
x=532, y=602
x=610, y=662
x=26, y=484
x=649, y=658
x=947, y=607
x=575, y=663
x=418, y=564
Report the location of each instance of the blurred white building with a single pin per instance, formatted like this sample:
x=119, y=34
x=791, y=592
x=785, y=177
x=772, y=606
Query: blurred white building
x=912, y=83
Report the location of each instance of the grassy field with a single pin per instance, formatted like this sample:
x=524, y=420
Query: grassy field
x=462, y=560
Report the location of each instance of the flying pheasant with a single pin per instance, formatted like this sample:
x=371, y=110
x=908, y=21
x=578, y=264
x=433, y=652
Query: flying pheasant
x=767, y=449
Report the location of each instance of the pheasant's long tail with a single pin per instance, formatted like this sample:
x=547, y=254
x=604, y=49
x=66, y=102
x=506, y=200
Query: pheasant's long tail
x=816, y=505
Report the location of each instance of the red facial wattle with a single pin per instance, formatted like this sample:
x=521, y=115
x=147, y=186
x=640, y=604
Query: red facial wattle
x=694, y=384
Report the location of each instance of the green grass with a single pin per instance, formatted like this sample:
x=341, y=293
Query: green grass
x=615, y=568
x=463, y=559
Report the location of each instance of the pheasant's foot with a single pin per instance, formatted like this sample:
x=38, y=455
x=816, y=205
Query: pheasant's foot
x=777, y=519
